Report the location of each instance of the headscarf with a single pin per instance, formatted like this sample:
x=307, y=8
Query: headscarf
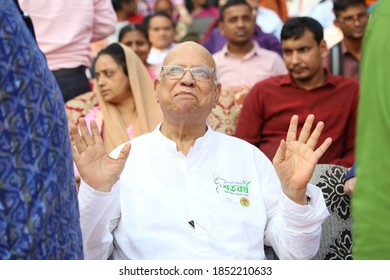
x=148, y=112
x=39, y=214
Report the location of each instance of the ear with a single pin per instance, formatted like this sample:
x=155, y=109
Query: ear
x=217, y=91
x=323, y=49
x=157, y=89
x=336, y=23
x=221, y=26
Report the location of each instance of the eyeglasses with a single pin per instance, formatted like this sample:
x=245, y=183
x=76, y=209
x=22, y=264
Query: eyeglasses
x=351, y=19
x=200, y=73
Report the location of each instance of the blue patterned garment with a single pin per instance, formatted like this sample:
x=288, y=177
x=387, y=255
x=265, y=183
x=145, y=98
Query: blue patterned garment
x=39, y=216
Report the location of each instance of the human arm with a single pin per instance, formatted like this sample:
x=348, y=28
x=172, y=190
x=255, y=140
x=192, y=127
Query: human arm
x=294, y=227
x=350, y=181
x=99, y=190
x=99, y=216
x=296, y=158
x=294, y=230
x=183, y=12
x=250, y=121
x=347, y=153
x=104, y=20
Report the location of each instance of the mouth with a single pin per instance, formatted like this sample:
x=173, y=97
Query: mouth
x=297, y=70
x=185, y=94
x=105, y=92
x=240, y=33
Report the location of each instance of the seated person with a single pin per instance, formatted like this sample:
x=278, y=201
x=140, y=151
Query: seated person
x=241, y=63
x=213, y=40
x=307, y=89
x=125, y=94
x=161, y=31
x=136, y=37
x=185, y=191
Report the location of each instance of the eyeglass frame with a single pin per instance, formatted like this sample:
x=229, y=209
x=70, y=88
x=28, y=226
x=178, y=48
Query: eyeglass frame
x=189, y=69
x=352, y=18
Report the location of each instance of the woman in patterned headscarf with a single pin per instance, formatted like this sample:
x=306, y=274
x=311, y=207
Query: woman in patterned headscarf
x=127, y=105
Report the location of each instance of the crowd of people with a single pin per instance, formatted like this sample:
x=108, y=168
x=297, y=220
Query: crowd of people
x=195, y=125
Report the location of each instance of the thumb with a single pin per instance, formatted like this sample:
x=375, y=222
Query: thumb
x=124, y=153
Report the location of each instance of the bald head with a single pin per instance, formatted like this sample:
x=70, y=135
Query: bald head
x=189, y=54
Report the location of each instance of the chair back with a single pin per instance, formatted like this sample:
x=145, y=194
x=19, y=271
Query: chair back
x=336, y=237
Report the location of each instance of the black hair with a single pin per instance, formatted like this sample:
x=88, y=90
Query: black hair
x=231, y=3
x=133, y=27
x=117, y=53
x=342, y=5
x=295, y=28
x=147, y=19
x=190, y=5
x=117, y=4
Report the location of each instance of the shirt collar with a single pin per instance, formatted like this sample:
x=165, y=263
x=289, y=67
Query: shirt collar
x=256, y=50
x=199, y=143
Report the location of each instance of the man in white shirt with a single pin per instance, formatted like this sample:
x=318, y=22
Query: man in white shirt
x=161, y=31
x=187, y=192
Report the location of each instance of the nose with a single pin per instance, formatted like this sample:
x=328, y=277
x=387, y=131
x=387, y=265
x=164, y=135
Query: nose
x=188, y=78
x=357, y=21
x=295, y=58
x=101, y=80
x=240, y=23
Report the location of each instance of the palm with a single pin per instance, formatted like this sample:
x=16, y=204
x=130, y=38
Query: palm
x=96, y=167
x=296, y=157
x=298, y=165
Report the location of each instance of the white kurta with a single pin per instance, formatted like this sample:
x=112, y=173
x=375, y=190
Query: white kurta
x=226, y=186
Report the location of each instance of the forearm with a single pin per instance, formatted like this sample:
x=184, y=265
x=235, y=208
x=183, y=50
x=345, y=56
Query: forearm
x=104, y=20
x=98, y=212
x=295, y=230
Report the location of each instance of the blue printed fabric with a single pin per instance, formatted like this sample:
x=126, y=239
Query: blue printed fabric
x=39, y=216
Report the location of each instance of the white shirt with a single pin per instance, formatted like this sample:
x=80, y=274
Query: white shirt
x=323, y=13
x=156, y=56
x=269, y=21
x=226, y=186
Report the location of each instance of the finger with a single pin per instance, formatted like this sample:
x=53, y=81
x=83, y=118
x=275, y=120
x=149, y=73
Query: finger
x=292, y=129
x=306, y=130
x=124, y=153
x=349, y=186
x=315, y=135
x=322, y=149
x=96, y=136
x=75, y=154
x=76, y=139
x=85, y=134
x=280, y=153
x=347, y=190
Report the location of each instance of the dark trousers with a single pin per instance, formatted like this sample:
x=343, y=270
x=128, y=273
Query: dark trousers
x=72, y=82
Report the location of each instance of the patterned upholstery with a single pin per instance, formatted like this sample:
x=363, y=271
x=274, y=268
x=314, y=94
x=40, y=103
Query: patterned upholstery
x=224, y=117
x=336, y=238
x=79, y=106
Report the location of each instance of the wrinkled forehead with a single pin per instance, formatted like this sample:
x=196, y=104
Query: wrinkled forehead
x=189, y=55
